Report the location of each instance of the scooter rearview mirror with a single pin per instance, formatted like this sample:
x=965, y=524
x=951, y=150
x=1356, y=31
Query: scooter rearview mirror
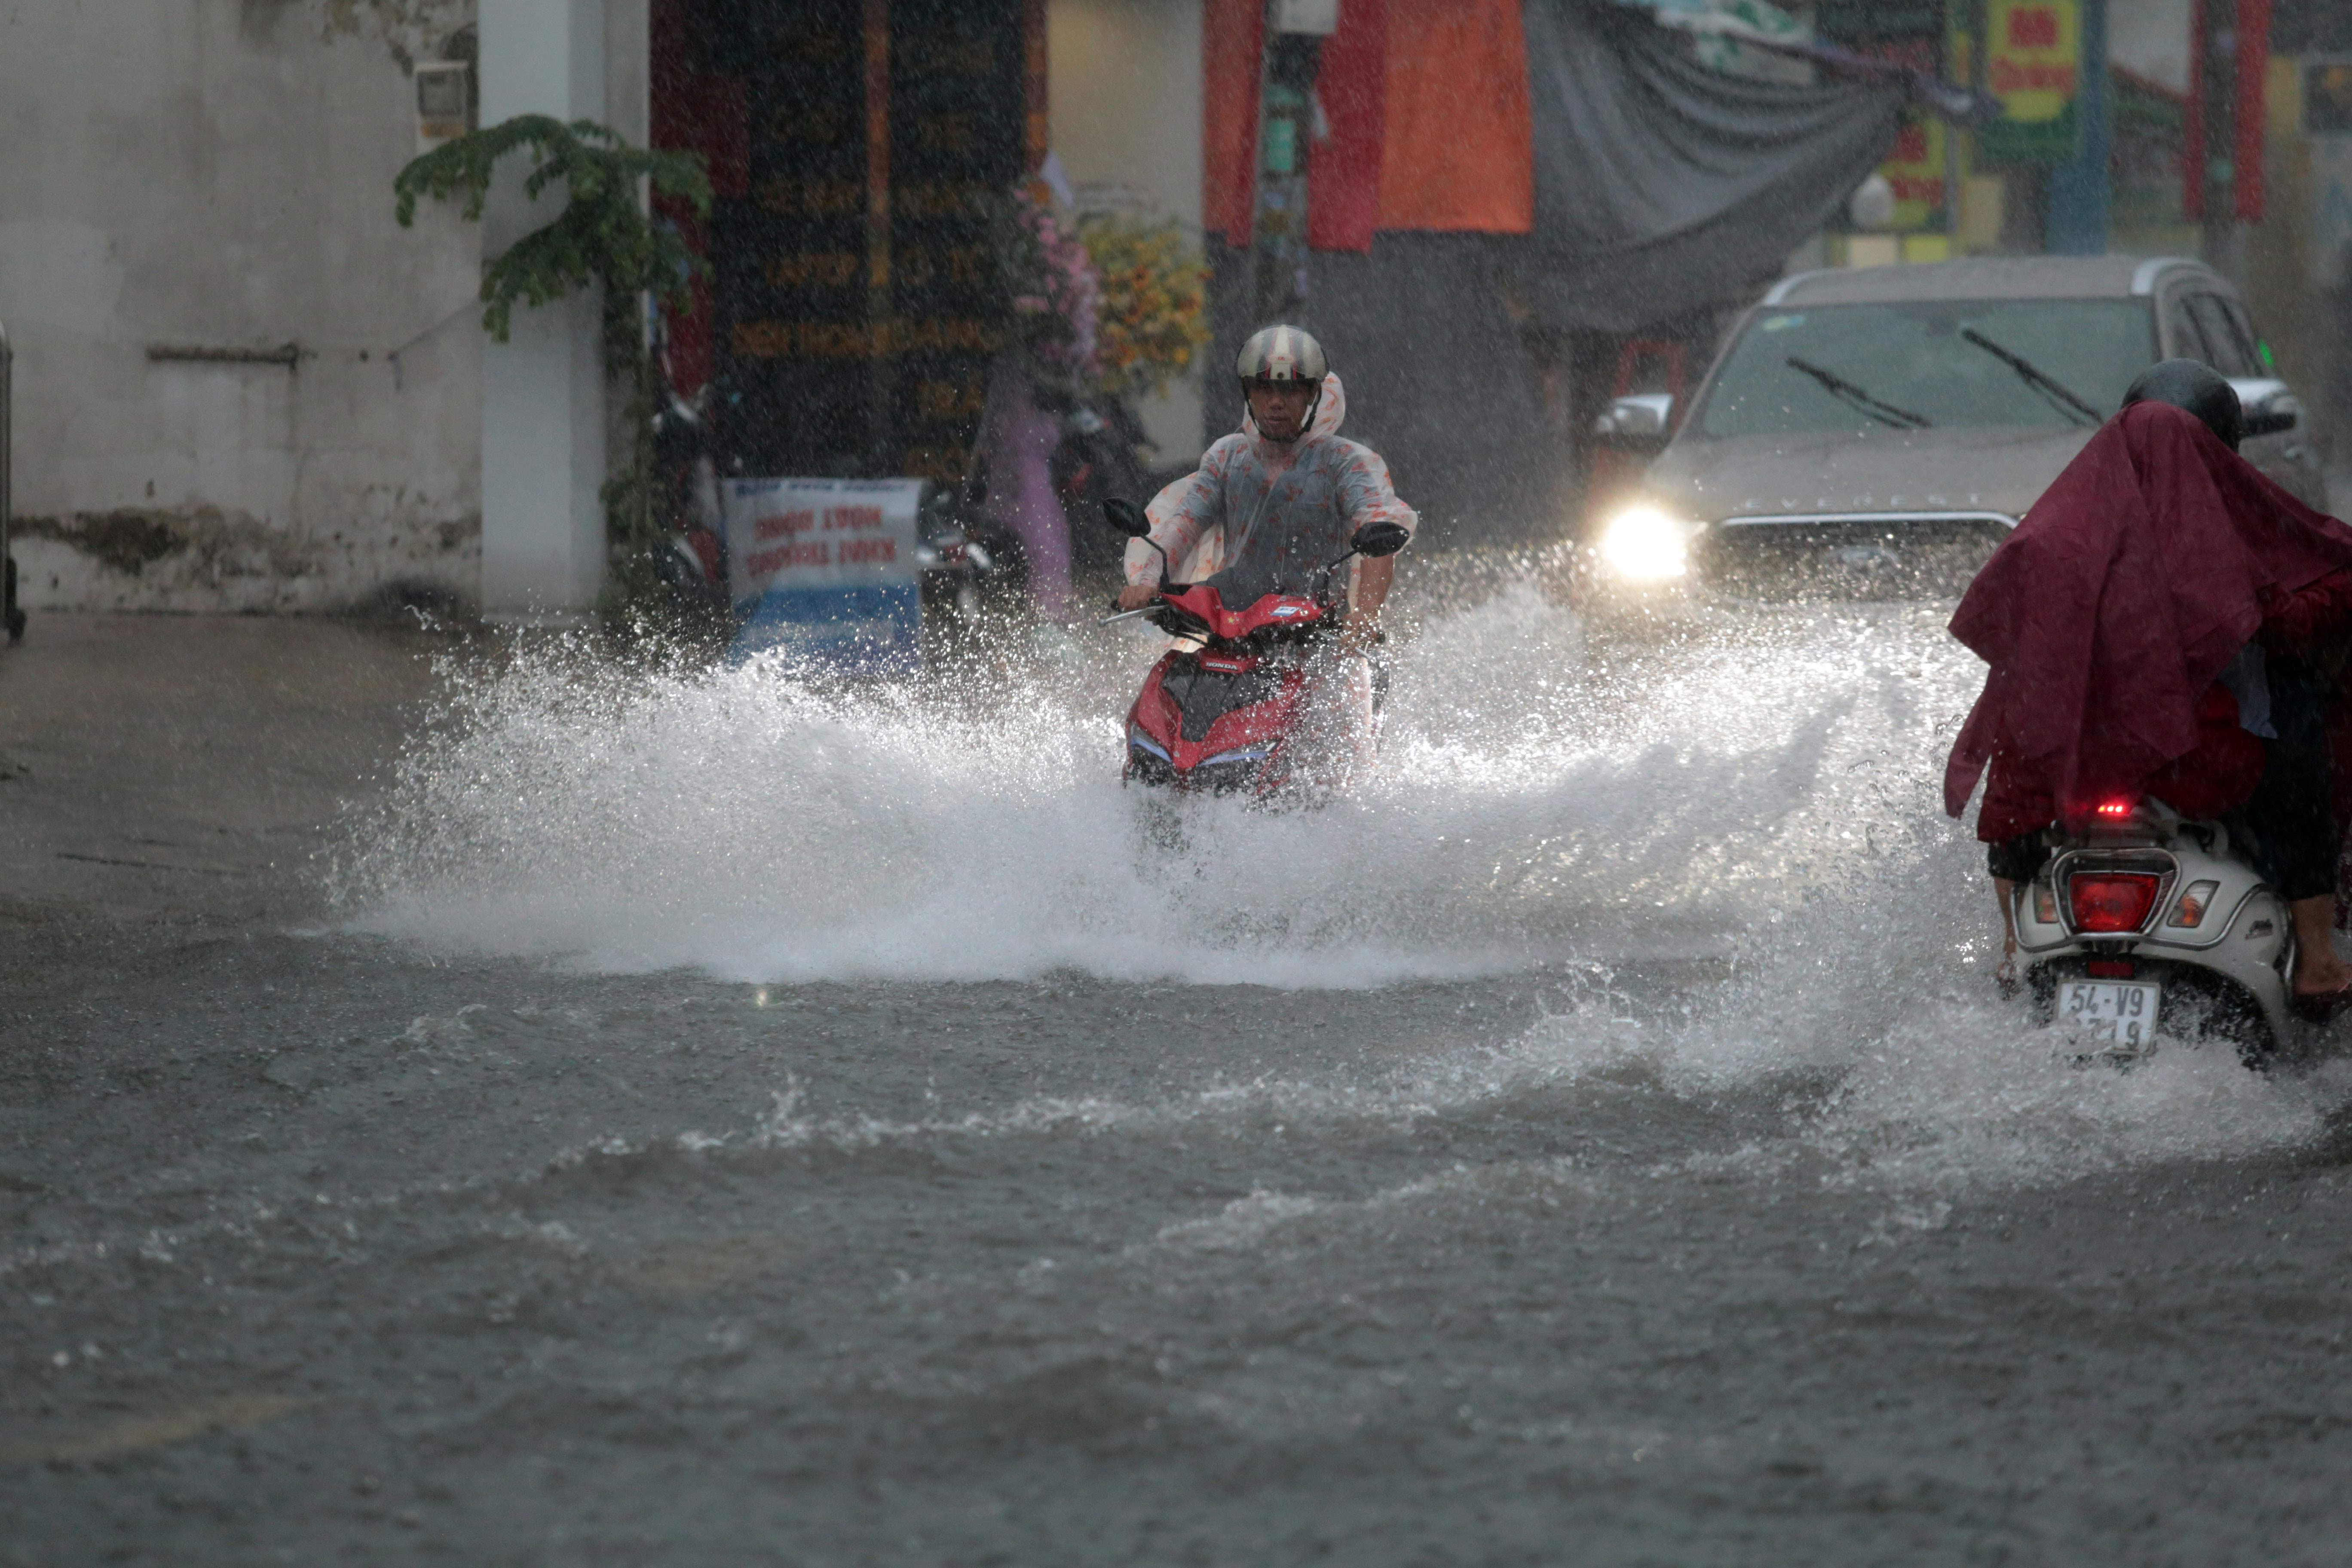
x=1127, y=517
x=1379, y=539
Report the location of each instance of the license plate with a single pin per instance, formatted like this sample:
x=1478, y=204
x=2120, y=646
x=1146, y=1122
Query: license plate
x=2111, y=1013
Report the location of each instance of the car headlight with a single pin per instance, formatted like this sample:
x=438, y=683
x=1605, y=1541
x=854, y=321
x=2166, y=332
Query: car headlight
x=1642, y=545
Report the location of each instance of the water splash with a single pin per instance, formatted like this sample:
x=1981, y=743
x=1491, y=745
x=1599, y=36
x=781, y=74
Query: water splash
x=1926, y=1083
x=1537, y=802
x=1766, y=795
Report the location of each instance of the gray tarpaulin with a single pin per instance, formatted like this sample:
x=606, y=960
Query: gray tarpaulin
x=1663, y=187
x=1663, y=190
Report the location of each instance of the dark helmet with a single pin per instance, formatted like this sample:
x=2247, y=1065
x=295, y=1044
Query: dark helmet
x=2198, y=388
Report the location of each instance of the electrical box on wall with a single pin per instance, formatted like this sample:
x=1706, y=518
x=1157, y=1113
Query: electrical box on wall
x=442, y=90
x=1321, y=16
x=2328, y=97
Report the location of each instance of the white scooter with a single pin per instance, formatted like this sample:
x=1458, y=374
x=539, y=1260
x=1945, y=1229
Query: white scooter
x=2150, y=924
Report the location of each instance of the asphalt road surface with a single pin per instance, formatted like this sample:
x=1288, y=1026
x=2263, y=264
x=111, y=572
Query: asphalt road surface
x=463, y=1103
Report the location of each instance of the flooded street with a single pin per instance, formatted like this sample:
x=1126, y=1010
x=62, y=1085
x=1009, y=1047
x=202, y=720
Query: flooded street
x=488, y=1108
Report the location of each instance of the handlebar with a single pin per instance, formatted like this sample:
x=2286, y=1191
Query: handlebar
x=1180, y=620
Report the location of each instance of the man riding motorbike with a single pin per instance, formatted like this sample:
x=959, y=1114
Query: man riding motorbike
x=1274, y=503
x=2157, y=626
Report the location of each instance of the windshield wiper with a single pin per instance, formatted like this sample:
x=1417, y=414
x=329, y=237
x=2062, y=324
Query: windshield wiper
x=1857, y=399
x=2053, y=392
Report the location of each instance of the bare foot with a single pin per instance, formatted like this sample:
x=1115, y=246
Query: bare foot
x=2317, y=977
x=2318, y=971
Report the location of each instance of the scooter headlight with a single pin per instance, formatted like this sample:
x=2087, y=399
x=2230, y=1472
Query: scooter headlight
x=1247, y=755
x=1643, y=545
x=1143, y=742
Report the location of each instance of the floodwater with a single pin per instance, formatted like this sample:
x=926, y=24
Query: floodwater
x=691, y=1117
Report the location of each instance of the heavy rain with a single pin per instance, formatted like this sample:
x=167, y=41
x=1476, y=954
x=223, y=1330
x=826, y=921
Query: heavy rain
x=1224, y=781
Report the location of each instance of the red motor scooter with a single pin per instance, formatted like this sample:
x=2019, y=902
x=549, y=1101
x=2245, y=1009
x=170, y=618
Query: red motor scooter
x=1224, y=716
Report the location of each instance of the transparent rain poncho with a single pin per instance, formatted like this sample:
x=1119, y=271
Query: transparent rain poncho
x=1262, y=516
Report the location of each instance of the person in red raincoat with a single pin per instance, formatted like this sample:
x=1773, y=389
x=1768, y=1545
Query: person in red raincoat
x=2160, y=624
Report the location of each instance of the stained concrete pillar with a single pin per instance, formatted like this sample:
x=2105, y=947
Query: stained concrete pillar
x=544, y=420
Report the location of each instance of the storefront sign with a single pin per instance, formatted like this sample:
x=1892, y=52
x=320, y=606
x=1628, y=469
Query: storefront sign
x=1916, y=172
x=2034, y=68
x=857, y=302
x=825, y=570
x=1911, y=34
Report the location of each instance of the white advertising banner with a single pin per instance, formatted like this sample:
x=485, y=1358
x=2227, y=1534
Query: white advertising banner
x=827, y=568
x=819, y=534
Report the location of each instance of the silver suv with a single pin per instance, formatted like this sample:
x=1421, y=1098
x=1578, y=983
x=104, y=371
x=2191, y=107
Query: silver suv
x=1876, y=432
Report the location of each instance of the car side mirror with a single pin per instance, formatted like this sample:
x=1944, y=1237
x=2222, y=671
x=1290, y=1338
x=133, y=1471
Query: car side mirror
x=1127, y=517
x=1379, y=539
x=1641, y=422
x=2270, y=409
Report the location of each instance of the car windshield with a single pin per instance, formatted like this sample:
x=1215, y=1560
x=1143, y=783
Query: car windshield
x=1944, y=363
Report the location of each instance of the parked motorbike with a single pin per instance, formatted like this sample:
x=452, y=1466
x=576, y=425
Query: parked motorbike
x=688, y=556
x=1098, y=459
x=2150, y=924
x=1221, y=713
x=966, y=564
x=970, y=564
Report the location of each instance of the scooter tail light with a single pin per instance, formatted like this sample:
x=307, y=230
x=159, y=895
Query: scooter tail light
x=2188, y=909
x=2111, y=902
x=2117, y=810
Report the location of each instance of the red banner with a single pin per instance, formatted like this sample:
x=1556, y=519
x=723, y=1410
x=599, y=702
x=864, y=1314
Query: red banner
x=1343, y=168
x=2253, y=111
x=2249, y=116
x=695, y=111
x=1232, y=34
x=1461, y=137
x=1447, y=127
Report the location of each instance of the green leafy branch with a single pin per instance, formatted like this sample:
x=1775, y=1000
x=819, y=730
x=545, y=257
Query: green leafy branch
x=603, y=235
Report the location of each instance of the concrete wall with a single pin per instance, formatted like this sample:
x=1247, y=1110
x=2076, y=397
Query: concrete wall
x=1124, y=92
x=217, y=174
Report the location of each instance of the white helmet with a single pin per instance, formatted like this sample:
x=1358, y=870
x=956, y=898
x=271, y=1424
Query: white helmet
x=1281, y=354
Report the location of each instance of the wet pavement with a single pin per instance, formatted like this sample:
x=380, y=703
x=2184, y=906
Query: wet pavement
x=498, y=1110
